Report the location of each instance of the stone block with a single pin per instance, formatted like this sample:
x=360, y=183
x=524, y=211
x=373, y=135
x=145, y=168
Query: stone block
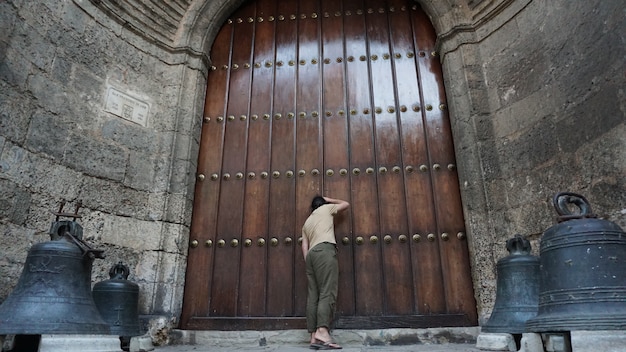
x=496, y=342
x=14, y=202
x=89, y=88
x=96, y=157
x=536, y=146
x=74, y=18
x=526, y=113
x=531, y=342
x=142, y=170
x=47, y=135
x=132, y=233
x=7, y=342
x=50, y=95
x=601, y=340
x=177, y=209
x=141, y=344
x=555, y=342
x=159, y=328
x=604, y=157
x=7, y=22
x=117, y=199
x=175, y=238
x=79, y=343
x=33, y=46
x=491, y=165
x=15, y=112
x=133, y=136
x=580, y=126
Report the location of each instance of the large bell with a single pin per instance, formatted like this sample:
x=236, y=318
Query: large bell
x=117, y=300
x=583, y=271
x=517, y=289
x=53, y=293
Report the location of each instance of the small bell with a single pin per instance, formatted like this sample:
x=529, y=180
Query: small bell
x=117, y=301
x=517, y=289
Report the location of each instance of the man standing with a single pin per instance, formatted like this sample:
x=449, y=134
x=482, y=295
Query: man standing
x=319, y=249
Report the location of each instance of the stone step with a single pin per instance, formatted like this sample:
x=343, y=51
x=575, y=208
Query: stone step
x=380, y=337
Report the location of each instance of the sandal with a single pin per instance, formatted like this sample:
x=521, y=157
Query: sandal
x=325, y=345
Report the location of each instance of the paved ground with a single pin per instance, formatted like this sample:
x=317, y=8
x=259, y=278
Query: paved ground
x=393, y=340
x=351, y=348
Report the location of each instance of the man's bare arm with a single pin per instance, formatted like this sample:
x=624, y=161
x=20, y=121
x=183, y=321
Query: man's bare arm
x=341, y=204
x=305, y=246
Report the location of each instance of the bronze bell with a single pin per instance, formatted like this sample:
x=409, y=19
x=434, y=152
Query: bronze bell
x=117, y=300
x=517, y=289
x=583, y=271
x=53, y=293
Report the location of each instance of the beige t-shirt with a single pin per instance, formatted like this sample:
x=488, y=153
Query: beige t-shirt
x=319, y=226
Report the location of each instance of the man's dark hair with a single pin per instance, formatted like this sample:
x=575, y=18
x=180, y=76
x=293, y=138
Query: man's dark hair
x=317, y=202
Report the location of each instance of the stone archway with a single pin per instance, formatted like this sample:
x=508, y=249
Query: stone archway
x=516, y=115
x=364, y=80
x=186, y=38
x=456, y=24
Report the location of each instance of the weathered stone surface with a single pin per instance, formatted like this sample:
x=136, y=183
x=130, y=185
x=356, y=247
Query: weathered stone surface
x=496, y=342
x=83, y=343
x=131, y=135
x=38, y=173
x=390, y=339
x=15, y=241
x=58, y=143
x=545, y=116
x=531, y=342
x=141, y=344
x=48, y=134
x=105, y=159
x=14, y=202
x=14, y=112
x=533, y=112
x=116, y=198
x=7, y=24
x=593, y=341
x=130, y=233
x=555, y=342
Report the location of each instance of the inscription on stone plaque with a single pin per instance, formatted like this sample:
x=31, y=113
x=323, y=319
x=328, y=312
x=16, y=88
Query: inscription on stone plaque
x=127, y=107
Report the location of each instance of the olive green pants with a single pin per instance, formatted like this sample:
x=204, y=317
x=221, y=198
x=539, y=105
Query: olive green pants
x=322, y=272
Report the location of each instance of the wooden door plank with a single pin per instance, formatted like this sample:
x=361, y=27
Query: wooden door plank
x=393, y=281
x=425, y=260
x=453, y=249
x=282, y=187
x=225, y=288
x=252, y=296
x=396, y=256
x=335, y=143
x=402, y=321
x=200, y=260
x=364, y=201
x=308, y=145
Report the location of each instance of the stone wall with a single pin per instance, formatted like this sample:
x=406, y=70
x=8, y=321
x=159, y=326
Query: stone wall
x=535, y=90
x=538, y=107
x=58, y=143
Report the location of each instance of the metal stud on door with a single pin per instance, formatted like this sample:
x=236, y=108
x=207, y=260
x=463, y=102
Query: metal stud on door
x=339, y=98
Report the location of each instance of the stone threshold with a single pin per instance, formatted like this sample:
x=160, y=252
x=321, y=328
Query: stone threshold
x=375, y=337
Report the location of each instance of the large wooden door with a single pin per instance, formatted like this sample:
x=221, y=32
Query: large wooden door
x=338, y=98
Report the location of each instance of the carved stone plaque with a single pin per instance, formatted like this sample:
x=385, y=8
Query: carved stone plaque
x=127, y=107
